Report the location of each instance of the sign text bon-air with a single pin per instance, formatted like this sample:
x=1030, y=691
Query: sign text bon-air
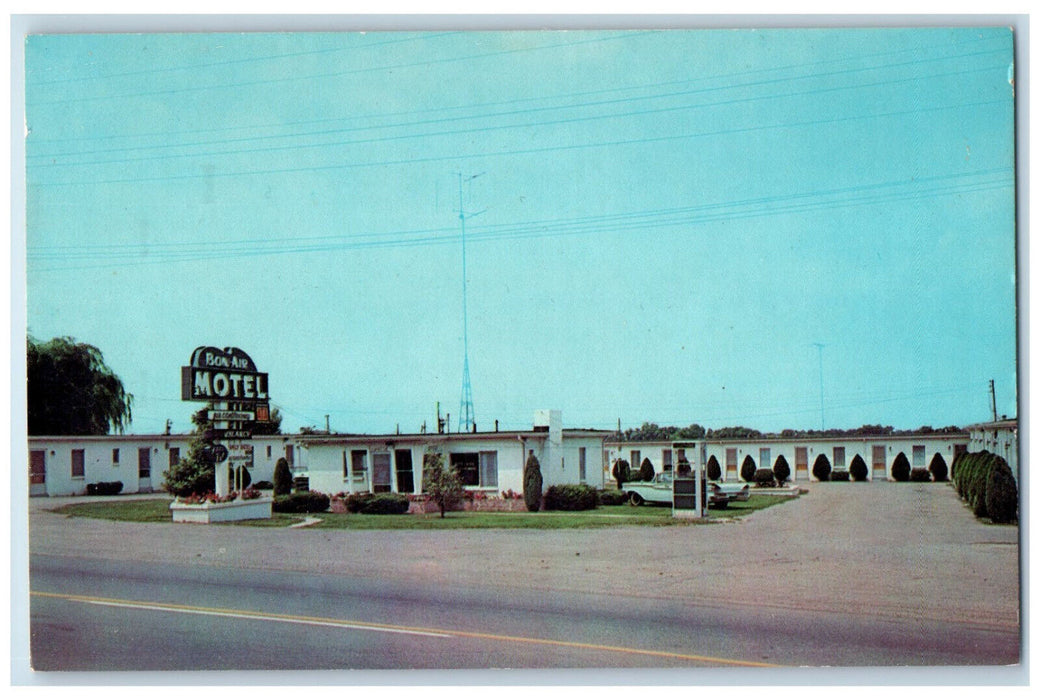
x=222, y=375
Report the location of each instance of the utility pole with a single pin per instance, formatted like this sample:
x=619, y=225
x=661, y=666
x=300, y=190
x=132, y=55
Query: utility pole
x=467, y=415
x=993, y=399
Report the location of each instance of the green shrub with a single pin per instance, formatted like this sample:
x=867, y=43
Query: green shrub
x=714, y=470
x=264, y=485
x=938, y=468
x=533, y=484
x=920, y=474
x=282, y=477
x=781, y=470
x=821, y=468
x=840, y=475
x=1001, y=493
x=442, y=485
x=748, y=469
x=301, y=502
x=104, y=488
x=764, y=478
x=612, y=497
x=621, y=472
x=858, y=469
x=646, y=470
x=901, y=468
x=570, y=497
x=376, y=503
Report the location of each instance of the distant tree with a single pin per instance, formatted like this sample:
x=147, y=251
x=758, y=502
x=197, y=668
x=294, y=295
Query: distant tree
x=441, y=484
x=620, y=472
x=691, y=432
x=532, y=484
x=71, y=391
x=735, y=432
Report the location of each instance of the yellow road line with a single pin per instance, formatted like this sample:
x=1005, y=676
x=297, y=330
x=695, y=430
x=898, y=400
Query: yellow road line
x=381, y=627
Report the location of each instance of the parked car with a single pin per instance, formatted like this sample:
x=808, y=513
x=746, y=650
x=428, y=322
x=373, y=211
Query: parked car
x=659, y=490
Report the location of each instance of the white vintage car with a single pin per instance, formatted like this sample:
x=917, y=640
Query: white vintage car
x=659, y=490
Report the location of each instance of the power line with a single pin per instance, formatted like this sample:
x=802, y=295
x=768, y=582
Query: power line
x=37, y=139
x=482, y=129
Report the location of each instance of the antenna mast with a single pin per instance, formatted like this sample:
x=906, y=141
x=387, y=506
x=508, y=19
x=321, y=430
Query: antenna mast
x=467, y=416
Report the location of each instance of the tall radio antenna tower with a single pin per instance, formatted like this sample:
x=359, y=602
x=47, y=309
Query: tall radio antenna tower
x=467, y=416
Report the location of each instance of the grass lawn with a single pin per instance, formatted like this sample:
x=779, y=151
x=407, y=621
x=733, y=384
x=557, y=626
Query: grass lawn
x=157, y=511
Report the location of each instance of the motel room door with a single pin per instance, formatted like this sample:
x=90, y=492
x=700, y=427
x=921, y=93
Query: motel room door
x=38, y=473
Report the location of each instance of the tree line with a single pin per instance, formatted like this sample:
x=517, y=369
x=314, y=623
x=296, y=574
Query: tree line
x=649, y=432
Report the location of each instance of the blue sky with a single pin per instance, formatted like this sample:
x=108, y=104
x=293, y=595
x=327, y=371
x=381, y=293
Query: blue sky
x=669, y=222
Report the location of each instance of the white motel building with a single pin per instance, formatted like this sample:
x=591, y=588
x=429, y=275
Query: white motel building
x=490, y=462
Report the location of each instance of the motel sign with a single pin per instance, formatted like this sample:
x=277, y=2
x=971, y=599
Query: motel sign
x=222, y=375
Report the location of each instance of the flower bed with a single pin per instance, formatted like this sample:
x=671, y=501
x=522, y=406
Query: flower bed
x=210, y=508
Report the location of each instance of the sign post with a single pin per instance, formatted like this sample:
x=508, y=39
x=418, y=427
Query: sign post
x=236, y=391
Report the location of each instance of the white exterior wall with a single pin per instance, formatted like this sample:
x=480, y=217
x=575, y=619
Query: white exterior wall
x=998, y=438
x=99, y=467
x=944, y=445
x=559, y=464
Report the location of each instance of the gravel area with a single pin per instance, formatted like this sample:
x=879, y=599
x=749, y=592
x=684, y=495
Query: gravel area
x=903, y=551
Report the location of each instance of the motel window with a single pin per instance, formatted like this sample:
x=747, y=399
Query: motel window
x=634, y=462
x=144, y=463
x=918, y=456
x=289, y=454
x=839, y=457
x=175, y=456
x=78, y=464
x=381, y=472
x=269, y=452
x=581, y=465
x=801, y=458
x=681, y=455
x=359, y=464
x=405, y=478
x=115, y=456
x=666, y=460
x=959, y=449
x=763, y=457
x=731, y=458
x=489, y=469
x=878, y=456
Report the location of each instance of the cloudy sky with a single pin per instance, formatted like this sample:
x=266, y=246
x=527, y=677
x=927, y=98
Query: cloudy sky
x=669, y=226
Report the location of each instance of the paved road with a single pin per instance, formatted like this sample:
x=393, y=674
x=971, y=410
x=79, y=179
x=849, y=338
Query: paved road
x=849, y=574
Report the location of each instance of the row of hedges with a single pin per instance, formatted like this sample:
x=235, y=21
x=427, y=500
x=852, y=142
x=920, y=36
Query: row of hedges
x=985, y=482
x=104, y=488
x=301, y=502
x=570, y=497
x=376, y=503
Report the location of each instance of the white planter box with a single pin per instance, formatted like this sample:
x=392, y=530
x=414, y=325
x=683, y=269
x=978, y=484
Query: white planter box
x=255, y=509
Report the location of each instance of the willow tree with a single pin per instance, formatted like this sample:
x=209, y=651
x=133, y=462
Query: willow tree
x=71, y=391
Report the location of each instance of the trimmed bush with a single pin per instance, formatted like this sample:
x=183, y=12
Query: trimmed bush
x=858, y=469
x=301, y=502
x=821, y=468
x=263, y=485
x=282, y=477
x=901, y=468
x=104, y=488
x=570, y=497
x=1001, y=493
x=938, y=467
x=533, y=484
x=620, y=472
x=646, y=470
x=612, y=497
x=781, y=470
x=920, y=474
x=714, y=470
x=840, y=475
x=748, y=469
x=764, y=478
x=376, y=503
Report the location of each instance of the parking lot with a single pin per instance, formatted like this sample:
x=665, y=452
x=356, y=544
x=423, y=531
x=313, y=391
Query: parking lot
x=894, y=550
